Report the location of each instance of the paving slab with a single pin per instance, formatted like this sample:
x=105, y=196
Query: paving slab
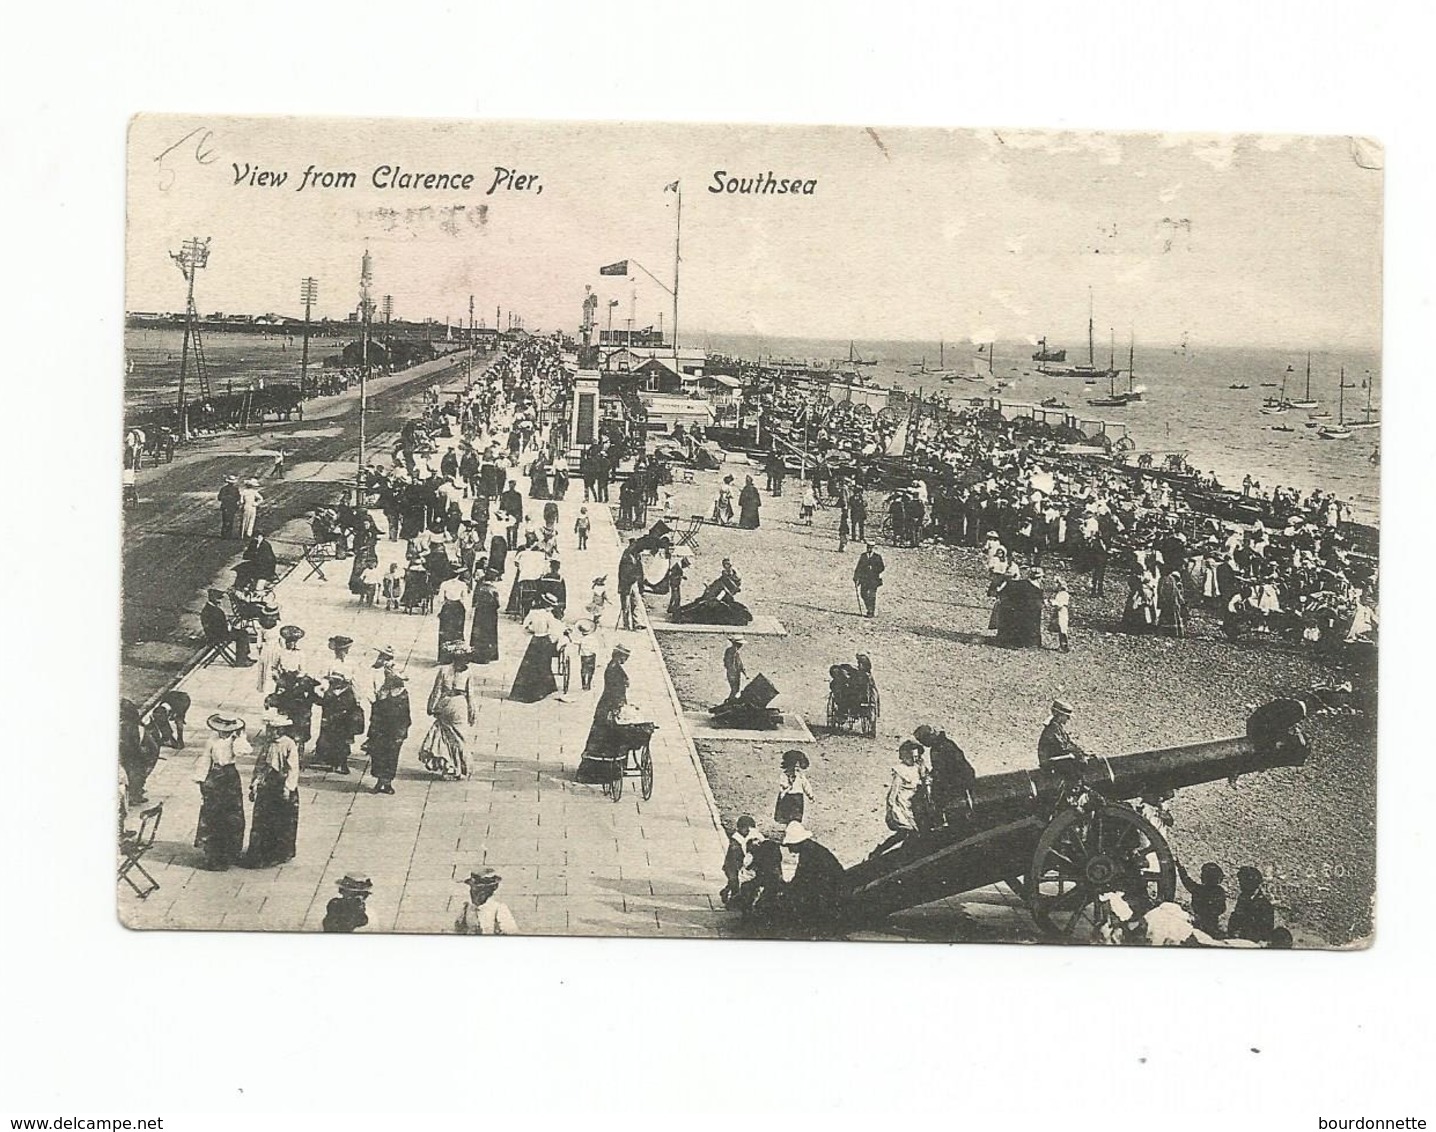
x=791, y=729
x=571, y=858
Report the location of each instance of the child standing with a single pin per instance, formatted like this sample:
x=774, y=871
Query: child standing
x=587, y=652
x=793, y=788
x=581, y=526
x=1061, y=615
x=598, y=600
x=745, y=835
x=369, y=581
x=393, y=587
x=809, y=502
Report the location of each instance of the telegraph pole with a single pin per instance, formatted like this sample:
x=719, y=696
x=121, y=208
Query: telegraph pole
x=308, y=295
x=471, y=339
x=366, y=314
x=192, y=256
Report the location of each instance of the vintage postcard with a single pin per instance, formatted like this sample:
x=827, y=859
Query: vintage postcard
x=744, y=532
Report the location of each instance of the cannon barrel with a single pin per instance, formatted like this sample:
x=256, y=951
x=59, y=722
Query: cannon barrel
x=1272, y=740
x=991, y=835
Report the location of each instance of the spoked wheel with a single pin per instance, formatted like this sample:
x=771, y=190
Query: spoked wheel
x=614, y=786
x=835, y=717
x=1083, y=854
x=645, y=774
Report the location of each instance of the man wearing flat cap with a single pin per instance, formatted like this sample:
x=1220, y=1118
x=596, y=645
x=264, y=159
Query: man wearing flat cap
x=228, y=506
x=1056, y=748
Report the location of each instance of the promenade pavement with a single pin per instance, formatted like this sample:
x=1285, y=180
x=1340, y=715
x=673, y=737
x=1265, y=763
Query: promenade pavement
x=573, y=862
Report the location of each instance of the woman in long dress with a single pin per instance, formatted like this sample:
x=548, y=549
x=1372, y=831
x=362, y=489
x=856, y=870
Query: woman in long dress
x=560, y=476
x=538, y=479
x=534, y=680
x=484, y=636
x=452, y=706
x=340, y=720
x=748, y=503
x=389, y=721
x=453, y=612
x=597, y=766
x=1171, y=605
x=274, y=790
x=220, y=832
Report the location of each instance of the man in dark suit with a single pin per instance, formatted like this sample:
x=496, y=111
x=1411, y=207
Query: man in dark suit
x=511, y=503
x=256, y=563
x=228, y=505
x=867, y=577
x=218, y=631
x=951, y=773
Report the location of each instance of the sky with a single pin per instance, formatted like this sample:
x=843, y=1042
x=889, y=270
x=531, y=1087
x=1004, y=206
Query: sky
x=908, y=234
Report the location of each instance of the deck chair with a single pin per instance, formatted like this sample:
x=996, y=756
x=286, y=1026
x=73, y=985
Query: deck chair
x=324, y=548
x=688, y=537
x=134, y=844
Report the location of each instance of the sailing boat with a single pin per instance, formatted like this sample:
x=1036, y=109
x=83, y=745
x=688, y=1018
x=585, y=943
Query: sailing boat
x=1370, y=421
x=1306, y=402
x=1338, y=431
x=1089, y=371
x=854, y=360
x=1133, y=393
x=1274, y=406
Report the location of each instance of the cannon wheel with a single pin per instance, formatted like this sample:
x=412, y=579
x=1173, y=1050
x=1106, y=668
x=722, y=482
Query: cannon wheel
x=1084, y=853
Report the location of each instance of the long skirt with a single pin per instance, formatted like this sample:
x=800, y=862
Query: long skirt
x=534, y=679
x=484, y=636
x=599, y=762
x=451, y=625
x=538, y=485
x=445, y=749
x=275, y=831
x=560, y=485
x=748, y=520
x=220, y=833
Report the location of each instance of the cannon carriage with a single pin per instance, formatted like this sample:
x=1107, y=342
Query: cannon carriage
x=1063, y=836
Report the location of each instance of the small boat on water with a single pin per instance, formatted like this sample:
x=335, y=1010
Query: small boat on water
x=1306, y=402
x=1275, y=406
x=1281, y=428
x=1236, y=385
x=1338, y=431
x=1053, y=403
x=1371, y=420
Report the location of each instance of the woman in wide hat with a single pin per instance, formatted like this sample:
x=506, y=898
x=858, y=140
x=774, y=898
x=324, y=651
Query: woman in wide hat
x=274, y=790
x=453, y=706
x=534, y=680
x=220, y=832
x=389, y=722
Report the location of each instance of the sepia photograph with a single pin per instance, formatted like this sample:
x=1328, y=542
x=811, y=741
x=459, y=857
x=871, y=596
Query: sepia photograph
x=745, y=532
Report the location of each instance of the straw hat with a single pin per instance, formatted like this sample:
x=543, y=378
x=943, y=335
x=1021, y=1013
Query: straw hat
x=290, y=633
x=223, y=724
x=485, y=876
x=340, y=642
x=276, y=718
x=795, y=834
x=1062, y=707
x=358, y=883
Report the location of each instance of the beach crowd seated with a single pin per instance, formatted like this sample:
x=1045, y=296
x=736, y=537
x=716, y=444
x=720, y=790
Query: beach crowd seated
x=974, y=478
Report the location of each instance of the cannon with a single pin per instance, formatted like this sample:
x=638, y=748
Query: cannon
x=1062, y=836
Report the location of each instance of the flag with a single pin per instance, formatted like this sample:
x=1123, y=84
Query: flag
x=619, y=268
x=673, y=188
x=613, y=302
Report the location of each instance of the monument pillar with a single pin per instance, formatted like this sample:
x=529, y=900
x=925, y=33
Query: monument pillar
x=583, y=421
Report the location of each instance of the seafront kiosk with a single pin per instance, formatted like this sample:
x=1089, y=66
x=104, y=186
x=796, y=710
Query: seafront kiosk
x=583, y=415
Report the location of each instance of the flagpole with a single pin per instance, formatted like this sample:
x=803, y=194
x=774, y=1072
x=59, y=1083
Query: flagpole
x=677, y=247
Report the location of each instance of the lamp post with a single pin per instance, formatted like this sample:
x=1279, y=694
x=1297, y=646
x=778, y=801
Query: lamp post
x=308, y=295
